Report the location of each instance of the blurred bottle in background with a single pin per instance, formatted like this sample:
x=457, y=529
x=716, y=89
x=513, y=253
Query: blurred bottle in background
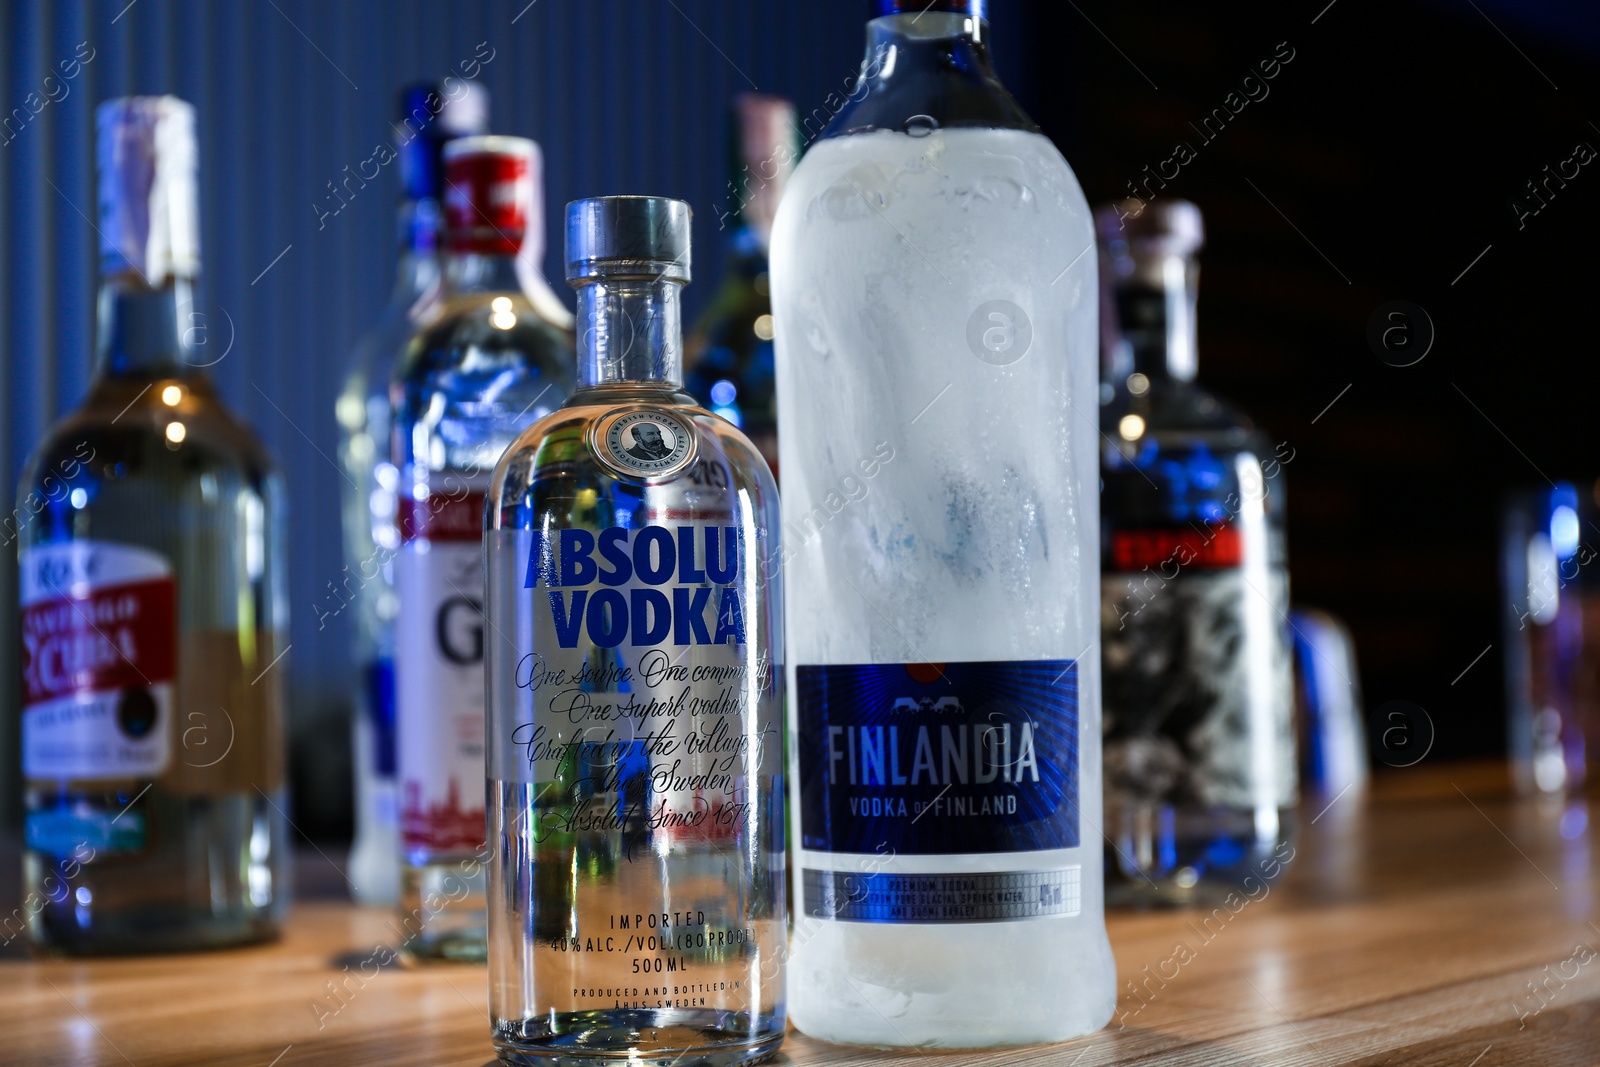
x=431, y=113
x=1329, y=718
x=153, y=611
x=728, y=353
x=494, y=352
x=1551, y=625
x=1200, y=758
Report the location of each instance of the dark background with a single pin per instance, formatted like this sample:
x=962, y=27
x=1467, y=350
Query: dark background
x=1381, y=165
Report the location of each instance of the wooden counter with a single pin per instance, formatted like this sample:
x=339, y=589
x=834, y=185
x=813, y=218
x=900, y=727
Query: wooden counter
x=1412, y=927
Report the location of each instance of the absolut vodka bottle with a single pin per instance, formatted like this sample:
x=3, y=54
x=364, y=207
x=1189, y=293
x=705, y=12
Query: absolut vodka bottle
x=430, y=115
x=933, y=286
x=1199, y=701
x=153, y=608
x=493, y=353
x=636, y=904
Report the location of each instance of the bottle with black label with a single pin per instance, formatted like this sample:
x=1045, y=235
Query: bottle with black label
x=153, y=611
x=1199, y=702
x=492, y=353
x=636, y=903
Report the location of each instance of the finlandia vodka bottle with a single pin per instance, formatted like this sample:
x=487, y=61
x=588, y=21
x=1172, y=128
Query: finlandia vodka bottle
x=153, y=610
x=933, y=282
x=493, y=354
x=1199, y=700
x=636, y=905
x=430, y=115
x=728, y=355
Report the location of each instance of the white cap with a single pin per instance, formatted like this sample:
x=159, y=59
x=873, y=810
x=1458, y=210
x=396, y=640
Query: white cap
x=149, y=205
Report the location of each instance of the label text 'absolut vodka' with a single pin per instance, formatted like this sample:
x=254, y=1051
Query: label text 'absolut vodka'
x=695, y=561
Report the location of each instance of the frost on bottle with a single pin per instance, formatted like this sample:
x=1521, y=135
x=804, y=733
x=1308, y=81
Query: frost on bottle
x=636, y=898
x=934, y=294
x=493, y=353
x=1199, y=700
x=153, y=610
x=430, y=115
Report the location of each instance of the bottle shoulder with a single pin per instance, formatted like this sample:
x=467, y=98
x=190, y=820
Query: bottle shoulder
x=128, y=438
x=556, y=459
x=479, y=333
x=1178, y=410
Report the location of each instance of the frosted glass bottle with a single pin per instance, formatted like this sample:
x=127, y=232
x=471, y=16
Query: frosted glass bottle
x=934, y=297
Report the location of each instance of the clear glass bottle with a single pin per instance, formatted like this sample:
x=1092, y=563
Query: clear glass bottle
x=492, y=355
x=728, y=354
x=1199, y=700
x=636, y=904
x=430, y=115
x=153, y=610
x=934, y=292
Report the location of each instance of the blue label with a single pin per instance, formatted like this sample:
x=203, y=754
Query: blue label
x=62, y=831
x=380, y=707
x=939, y=758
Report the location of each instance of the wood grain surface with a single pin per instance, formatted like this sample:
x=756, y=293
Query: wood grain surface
x=1434, y=921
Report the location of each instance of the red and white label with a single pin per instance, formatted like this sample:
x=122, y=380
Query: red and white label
x=439, y=698
x=99, y=656
x=1207, y=548
x=488, y=198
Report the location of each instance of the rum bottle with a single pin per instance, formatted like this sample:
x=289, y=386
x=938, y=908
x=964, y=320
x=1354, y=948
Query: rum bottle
x=153, y=606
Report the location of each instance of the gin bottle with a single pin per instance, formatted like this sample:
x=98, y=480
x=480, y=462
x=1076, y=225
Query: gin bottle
x=728, y=354
x=1199, y=700
x=636, y=904
x=430, y=115
x=153, y=610
x=492, y=355
x=933, y=284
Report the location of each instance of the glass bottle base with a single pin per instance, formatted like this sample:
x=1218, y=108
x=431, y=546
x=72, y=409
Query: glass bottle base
x=675, y=1038
x=442, y=911
x=202, y=873
x=1169, y=857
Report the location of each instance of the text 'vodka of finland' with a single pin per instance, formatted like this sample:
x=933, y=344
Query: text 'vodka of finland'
x=933, y=280
x=635, y=673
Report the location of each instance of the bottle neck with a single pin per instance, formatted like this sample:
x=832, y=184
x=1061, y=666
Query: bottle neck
x=1149, y=327
x=629, y=330
x=146, y=332
x=419, y=228
x=925, y=70
x=481, y=272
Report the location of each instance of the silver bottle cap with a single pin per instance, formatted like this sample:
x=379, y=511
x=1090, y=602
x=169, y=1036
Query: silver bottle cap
x=149, y=205
x=628, y=237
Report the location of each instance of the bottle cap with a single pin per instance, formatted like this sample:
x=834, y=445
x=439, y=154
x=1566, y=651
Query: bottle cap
x=149, y=206
x=628, y=236
x=489, y=194
x=1173, y=224
x=431, y=113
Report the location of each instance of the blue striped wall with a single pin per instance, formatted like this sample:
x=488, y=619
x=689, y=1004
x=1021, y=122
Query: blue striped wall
x=624, y=95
